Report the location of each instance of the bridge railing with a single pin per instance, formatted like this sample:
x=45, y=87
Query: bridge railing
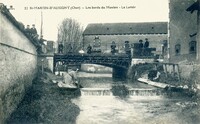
x=121, y=60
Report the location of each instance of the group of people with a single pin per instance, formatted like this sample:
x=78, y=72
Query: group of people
x=31, y=31
x=145, y=45
x=96, y=46
x=143, y=48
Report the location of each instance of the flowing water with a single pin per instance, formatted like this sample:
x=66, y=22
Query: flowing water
x=105, y=101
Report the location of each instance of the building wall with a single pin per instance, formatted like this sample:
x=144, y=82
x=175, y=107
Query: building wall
x=50, y=47
x=45, y=61
x=106, y=40
x=181, y=25
x=18, y=65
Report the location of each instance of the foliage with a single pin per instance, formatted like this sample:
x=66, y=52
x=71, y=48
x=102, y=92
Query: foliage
x=70, y=34
x=120, y=90
x=140, y=69
x=45, y=103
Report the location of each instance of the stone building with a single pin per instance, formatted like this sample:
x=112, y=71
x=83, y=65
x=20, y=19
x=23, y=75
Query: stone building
x=155, y=32
x=182, y=31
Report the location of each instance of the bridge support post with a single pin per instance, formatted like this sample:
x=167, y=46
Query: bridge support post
x=54, y=65
x=119, y=73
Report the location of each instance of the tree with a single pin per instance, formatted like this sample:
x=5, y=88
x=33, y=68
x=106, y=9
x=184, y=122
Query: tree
x=70, y=34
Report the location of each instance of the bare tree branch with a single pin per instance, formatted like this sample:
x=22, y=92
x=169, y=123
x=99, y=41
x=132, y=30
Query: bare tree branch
x=70, y=34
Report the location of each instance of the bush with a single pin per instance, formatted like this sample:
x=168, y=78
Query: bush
x=120, y=90
x=139, y=69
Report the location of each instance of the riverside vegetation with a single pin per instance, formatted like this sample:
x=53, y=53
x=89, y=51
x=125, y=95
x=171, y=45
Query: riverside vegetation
x=44, y=102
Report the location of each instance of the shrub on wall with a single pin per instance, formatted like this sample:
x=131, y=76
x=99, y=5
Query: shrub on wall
x=139, y=69
x=195, y=78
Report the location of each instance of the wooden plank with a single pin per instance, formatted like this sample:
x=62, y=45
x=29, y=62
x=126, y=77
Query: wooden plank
x=174, y=70
x=156, y=84
x=166, y=73
x=179, y=77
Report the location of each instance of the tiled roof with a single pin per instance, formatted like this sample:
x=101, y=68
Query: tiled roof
x=126, y=28
x=11, y=18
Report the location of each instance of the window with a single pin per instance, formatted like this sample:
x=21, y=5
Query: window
x=177, y=49
x=192, y=47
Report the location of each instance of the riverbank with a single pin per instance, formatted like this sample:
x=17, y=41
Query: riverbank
x=45, y=102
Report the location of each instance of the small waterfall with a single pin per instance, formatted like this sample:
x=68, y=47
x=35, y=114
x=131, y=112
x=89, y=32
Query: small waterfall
x=145, y=92
x=96, y=92
x=131, y=92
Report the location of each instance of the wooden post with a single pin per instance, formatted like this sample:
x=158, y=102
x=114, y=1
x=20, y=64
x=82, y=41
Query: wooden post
x=156, y=66
x=179, y=77
x=198, y=34
x=174, y=70
x=54, y=65
x=166, y=70
x=42, y=66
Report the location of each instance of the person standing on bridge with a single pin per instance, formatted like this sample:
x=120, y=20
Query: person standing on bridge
x=113, y=46
x=60, y=48
x=140, y=48
x=127, y=48
x=89, y=49
x=146, y=46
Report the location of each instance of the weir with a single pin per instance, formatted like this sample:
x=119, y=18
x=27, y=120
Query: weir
x=131, y=92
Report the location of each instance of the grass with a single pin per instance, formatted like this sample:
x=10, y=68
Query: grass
x=45, y=102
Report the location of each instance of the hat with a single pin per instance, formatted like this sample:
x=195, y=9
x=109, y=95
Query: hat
x=96, y=37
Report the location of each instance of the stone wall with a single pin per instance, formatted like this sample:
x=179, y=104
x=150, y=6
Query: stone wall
x=18, y=65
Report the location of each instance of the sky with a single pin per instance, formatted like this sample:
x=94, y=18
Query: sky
x=85, y=12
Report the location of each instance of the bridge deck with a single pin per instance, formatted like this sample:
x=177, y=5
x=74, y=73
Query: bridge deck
x=120, y=60
x=75, y=57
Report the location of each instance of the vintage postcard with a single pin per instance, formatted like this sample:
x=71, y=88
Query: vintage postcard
x=99, y=61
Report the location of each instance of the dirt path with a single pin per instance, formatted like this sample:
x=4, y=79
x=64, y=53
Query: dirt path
x=46, y=103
